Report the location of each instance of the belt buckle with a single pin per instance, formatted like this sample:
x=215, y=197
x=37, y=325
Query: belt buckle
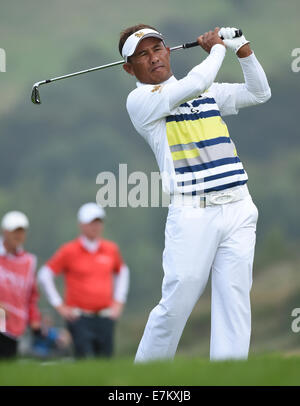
x=222, y=198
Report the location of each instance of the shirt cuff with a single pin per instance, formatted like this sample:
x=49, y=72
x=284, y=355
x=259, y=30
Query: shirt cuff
x=218, y=48
x=247, y=58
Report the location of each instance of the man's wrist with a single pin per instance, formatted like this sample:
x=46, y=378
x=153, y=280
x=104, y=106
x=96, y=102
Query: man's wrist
x=118, y=302
x=218, y=48
x=57, y=302
x=244, y=51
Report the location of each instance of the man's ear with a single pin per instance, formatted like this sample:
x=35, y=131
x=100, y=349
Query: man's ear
x=128, y=68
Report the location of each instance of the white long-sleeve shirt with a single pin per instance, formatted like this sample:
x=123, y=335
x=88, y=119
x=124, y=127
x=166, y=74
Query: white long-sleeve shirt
x=182, y=122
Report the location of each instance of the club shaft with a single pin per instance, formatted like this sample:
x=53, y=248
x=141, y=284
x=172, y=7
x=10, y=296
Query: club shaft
x=183, y=46
x=81, y=72
x=35, y=93
x=109, y=65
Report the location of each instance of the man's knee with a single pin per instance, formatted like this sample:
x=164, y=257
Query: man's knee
x=180, y=295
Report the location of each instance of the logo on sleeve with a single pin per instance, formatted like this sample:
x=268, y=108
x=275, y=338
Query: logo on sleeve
x=156, y=88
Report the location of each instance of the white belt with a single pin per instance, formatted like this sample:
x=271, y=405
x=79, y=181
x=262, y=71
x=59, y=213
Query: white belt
x=213, y=198
x=102, y=313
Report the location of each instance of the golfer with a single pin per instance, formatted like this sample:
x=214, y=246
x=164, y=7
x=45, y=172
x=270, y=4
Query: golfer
x=211, y=223
x=18, y=290
x=96, y=281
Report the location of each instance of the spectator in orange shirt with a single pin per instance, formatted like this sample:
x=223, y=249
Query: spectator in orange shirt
x=18, y=290
x=96, y=284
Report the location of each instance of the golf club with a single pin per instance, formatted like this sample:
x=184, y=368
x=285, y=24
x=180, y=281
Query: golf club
x=35, y=95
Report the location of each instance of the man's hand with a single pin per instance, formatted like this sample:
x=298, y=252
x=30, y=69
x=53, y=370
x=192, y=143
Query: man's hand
x=116, y=309
x=36, y=330
x=209, y=39
x=239, y=44
x=35, y=325
x=66, y=312
x=37, y=333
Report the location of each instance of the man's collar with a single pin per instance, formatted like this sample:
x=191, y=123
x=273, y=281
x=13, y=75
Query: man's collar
x=170, y=80
x=89, y=245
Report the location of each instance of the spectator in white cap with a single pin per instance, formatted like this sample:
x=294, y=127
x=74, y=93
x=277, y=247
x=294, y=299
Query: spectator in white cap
x=96, y=281
x=18, y=289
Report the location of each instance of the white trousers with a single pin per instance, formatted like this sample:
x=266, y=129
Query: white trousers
x=219, y=239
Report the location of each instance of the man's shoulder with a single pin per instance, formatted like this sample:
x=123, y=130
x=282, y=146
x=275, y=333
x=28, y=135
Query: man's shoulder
x=28, y=254
x=109, y=246
x=136, y=94
x=70, y=246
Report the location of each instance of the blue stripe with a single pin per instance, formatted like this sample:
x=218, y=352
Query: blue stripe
x=224, y=175
x=216, y=188
x=214, y=141
x=229, y=185
x=207, y=165
x=212, y=177
x=194, y=116
x=197, y=102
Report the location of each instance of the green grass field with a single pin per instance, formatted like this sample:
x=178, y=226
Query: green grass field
x=267, y=370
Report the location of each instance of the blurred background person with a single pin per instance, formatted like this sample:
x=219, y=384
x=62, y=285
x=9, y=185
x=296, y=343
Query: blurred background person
x=18, y=289
x=53, y=342
x=96, y=283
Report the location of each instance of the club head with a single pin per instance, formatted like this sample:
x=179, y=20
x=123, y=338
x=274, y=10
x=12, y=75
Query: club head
x=35, y=94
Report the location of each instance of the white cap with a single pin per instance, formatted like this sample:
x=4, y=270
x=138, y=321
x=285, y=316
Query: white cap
x=89, y=212
x=133, y=41
x=13, y=220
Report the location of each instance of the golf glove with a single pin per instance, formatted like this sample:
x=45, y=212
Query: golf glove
x=228, y=34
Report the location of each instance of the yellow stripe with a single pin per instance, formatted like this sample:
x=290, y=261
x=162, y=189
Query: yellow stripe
x=184, y=132
x=192, y=153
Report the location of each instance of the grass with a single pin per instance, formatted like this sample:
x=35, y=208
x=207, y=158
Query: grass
x=264, y=370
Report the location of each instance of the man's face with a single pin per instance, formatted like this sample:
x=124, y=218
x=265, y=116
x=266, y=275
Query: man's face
x=92, y=230
x=14, y=239
x=150, y=62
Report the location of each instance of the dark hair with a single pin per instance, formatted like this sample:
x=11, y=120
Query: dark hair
x=129, y=31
